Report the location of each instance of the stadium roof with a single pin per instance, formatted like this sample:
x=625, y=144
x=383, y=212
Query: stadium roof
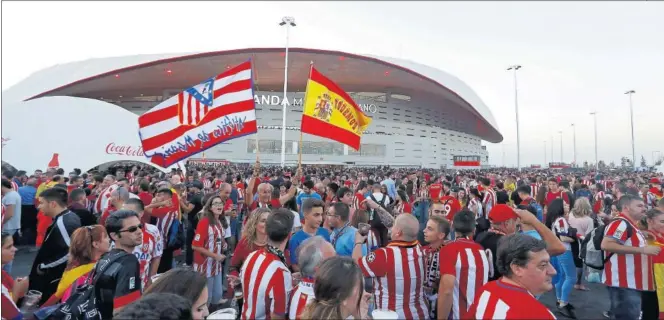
x=151, y=74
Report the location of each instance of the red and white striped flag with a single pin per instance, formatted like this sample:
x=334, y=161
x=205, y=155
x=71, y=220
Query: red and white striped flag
x=216, y=110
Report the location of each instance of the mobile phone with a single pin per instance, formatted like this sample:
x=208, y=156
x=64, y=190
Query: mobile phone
x=363, y=228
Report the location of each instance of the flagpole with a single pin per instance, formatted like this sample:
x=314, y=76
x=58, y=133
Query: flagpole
x=288, y=22
x=304, y=106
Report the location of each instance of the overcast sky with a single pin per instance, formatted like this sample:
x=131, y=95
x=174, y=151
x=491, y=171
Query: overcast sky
x=577, y=57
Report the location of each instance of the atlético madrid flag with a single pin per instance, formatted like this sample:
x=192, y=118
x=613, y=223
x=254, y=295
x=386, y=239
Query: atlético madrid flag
x=216, y=110
x=331, y=113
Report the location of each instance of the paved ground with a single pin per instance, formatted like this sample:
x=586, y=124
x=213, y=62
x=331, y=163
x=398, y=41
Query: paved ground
x=589, y=304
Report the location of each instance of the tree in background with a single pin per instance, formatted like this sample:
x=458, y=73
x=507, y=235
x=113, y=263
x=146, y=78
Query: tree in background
x=612, y=164
x=586, y=165
x=602, y=165
x=643, y=161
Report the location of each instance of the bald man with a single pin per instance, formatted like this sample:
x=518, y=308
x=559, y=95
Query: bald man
x=387, y=266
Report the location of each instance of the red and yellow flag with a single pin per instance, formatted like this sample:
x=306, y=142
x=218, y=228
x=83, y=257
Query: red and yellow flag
x=330, y=112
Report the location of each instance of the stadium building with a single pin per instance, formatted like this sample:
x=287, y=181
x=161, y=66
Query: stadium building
x=422, y=116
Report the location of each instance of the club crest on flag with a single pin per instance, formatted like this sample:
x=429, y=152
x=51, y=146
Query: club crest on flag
x=323, y=110
x=195, y=102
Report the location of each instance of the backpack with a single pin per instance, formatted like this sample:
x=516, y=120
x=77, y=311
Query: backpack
x=82, y=304
x=538, y=209
x=175, y=235
x=386, y=221
x=591, y=247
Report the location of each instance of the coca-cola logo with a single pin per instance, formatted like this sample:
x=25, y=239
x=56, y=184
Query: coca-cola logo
x=130, y=151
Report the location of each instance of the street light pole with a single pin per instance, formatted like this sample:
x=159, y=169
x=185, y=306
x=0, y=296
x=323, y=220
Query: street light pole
x=594, y=114
x=516, y=108
x=574, y=142
x=561, y=146
x=631, y=118
x=288, y=22
x=544, y=154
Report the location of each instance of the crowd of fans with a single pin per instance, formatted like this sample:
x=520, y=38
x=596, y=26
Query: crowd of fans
x=320, y=242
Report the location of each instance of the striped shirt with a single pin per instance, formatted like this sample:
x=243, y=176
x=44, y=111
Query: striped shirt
x=632, y=271
x=151, y=248
x=398, y=274
x=561, y=228
x=501, y=300
x=266, y=283
x=489, y=200
x=303, y=293
x=468, y=263
x=209, y=237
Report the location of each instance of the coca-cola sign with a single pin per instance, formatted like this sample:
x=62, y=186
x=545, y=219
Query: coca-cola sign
x=130, y=151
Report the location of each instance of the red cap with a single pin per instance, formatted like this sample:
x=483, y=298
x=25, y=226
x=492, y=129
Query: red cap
x=501, y=213
x=655, y=181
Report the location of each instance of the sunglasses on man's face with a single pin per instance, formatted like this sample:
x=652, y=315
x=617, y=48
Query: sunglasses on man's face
x=133, y=229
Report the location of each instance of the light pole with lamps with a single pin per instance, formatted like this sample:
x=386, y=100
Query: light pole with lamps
x=561, y=146
x=594, y=114
x=631, y=118
x=516, y=108
x=288, y=22
x=574, y=142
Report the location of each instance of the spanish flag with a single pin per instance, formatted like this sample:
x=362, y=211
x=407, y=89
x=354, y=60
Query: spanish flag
x=330, y=112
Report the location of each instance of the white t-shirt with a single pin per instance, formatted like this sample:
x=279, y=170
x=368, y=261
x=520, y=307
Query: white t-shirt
x=12, y=198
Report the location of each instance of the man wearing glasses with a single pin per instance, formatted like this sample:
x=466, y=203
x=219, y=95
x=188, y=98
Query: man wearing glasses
x=119, y=281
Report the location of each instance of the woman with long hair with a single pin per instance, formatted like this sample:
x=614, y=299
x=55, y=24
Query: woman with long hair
x=401, y=205
x=11, y=290
x=475, y=203
x=462, y=197
x=254, y=237
x=338, y=299
x=186, y=283
x=556, y=220
x=88, y=244
x=581, y=221
x=209, y=247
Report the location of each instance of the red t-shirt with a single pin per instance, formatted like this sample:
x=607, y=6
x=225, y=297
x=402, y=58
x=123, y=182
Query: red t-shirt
x=452, y=206
x=110, y=209
x=501, y=300
x=435, y=191
x=550, y=196
x=146, y=198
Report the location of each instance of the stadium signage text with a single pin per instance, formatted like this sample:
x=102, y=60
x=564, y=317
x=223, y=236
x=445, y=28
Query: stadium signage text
x=274, y=100
x=112, y=148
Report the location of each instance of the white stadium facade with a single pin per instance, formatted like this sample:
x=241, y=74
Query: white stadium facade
x=87, y=111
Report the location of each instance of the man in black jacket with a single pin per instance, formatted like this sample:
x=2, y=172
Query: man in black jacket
x=53, y=255
x=78, y=200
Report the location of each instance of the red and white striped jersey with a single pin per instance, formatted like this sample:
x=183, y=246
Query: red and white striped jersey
x=501, y=300
x=209, y=237
x=372, y=241
x=489, y=200
x=151, y=248
x=653, y=197
x=398, y=274
x=561, y=227
x=14, y=185
x=598, y=201
x=468, y=263
x=104, y=196
x=534, y=189
x=165, y=217
x=266, y=283
x=632, y=271
x=357, y=199
x=303, y=293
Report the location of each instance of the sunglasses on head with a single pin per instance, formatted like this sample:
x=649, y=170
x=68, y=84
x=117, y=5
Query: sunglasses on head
x=132, y=228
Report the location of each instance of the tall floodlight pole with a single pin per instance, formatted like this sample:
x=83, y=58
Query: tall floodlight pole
x=561, y=146
x=631, y=118
x=574, y=142
x=594, y=114
x=516, y=108
x=288, y=22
